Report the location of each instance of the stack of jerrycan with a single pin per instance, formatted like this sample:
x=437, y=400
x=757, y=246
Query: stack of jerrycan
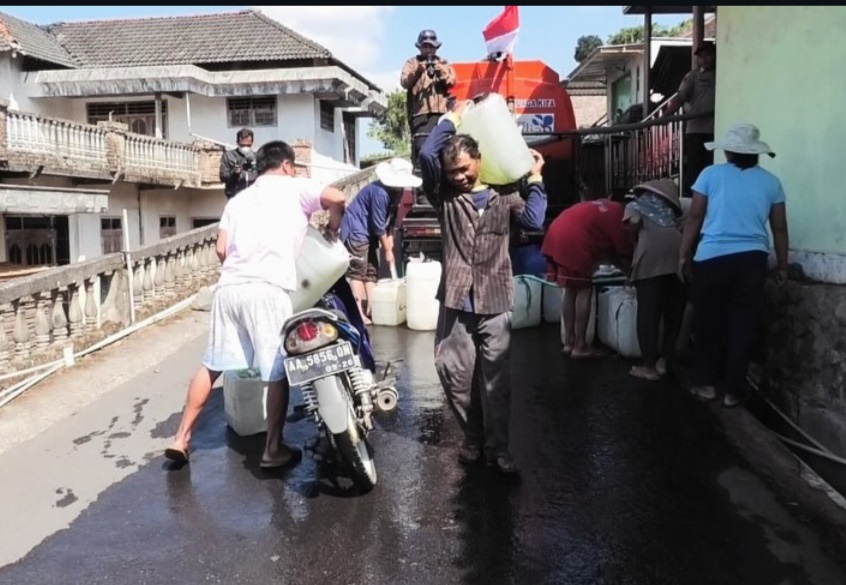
x=319, y=266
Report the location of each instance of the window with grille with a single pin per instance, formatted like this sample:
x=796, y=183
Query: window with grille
x=111, y=234
x=349, y=138
x=251, y=111
x=327, y=116
x=167, y=226
x=139, y=116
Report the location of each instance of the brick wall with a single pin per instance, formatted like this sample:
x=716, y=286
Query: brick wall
x=303, y=150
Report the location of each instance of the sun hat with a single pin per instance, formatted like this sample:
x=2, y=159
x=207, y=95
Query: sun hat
x=741, y=138
x=397, y=173
x=664, y=188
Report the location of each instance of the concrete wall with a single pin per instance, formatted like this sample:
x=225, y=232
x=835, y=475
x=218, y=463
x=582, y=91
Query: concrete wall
x=785, y=80
x=11, y=88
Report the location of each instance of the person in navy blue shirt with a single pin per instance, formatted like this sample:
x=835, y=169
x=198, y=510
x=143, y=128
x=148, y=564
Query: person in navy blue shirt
x=367, y=224
x=473, y=337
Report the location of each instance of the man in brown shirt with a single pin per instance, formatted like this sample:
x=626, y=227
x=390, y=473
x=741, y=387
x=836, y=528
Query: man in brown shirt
x=473, y=337
x=427, y=80
x=697, y=95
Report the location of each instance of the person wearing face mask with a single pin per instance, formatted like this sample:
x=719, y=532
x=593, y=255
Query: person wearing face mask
x=238, y=166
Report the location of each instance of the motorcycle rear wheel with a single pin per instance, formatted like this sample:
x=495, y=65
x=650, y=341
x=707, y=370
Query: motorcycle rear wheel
x=356, y=452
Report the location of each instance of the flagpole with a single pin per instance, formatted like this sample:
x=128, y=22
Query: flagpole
x=509, y=81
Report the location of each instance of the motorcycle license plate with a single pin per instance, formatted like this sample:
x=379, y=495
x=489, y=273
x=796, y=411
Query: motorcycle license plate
x=327, y=361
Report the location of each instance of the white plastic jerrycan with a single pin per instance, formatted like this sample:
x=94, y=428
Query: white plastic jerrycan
x=505, y=156
x=319, y=266
x=422, y=281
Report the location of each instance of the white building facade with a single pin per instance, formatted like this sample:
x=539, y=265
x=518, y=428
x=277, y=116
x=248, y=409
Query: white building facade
x=58, y=83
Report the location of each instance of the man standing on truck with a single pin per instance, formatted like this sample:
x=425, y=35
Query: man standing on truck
x=476, y=291
x=238, y=166
x=366, y=225
x=697, y=93
x=427, y=80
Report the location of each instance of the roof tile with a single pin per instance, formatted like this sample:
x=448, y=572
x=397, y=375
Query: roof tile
x=32, y=40
x=183, y=40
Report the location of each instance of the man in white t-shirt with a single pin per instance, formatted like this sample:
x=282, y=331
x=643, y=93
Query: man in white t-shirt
x=261, y=232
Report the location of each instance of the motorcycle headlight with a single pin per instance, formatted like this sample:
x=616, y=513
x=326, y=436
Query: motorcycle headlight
x=308, y=336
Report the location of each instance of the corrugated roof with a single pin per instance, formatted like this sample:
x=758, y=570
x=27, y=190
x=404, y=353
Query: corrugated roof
x=33, y=41
x=182, y=40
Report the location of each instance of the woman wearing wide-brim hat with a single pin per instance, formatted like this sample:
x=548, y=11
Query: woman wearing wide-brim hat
x=732, y=203
x=654, y=220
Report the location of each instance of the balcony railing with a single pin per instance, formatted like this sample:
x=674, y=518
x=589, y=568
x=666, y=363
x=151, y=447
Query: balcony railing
x=35, y=144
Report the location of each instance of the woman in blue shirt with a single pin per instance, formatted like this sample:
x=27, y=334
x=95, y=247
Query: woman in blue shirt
x=732, y=204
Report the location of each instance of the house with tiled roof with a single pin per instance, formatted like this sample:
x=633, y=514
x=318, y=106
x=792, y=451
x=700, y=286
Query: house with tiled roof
x=618, y=69
x=156, y=88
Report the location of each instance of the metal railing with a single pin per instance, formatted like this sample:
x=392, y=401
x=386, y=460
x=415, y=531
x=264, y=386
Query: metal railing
x=611, y=159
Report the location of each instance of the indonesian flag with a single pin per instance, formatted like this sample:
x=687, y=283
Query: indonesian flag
x=501, y=34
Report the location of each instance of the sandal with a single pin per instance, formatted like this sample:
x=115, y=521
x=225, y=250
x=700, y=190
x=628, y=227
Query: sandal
x=730, y=401
x=592, y=353
x=567, y=349
x=704, y=393
x=469, y=454
x=644, y=373
x=286, y=458
x=504, y=464
x=176, y=455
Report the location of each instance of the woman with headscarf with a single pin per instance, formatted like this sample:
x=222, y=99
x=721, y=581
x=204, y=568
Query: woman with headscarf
x=654, y=220
x=732, y=204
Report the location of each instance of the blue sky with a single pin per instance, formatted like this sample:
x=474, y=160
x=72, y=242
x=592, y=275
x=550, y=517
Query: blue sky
x=377, y=39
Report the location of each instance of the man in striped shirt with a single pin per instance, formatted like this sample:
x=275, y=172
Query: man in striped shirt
x=473, y=338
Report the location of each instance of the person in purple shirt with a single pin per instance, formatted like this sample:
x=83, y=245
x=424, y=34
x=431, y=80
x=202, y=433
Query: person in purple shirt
x=368, y=223
x=473, y=336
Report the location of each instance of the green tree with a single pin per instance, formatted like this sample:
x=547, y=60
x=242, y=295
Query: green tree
x=585, y=46
x=634, y=34
x=391, y=129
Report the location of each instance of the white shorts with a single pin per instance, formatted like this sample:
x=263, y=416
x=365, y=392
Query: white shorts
x=246, y=329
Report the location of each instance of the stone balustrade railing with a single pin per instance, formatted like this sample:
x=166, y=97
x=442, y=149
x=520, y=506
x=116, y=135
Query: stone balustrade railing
x=80, y=304
x=36, y=144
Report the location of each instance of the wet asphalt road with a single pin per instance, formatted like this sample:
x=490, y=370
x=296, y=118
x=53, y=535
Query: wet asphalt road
x=624, y=482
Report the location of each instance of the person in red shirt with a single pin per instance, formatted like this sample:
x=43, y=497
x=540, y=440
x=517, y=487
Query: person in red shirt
x=579, y=239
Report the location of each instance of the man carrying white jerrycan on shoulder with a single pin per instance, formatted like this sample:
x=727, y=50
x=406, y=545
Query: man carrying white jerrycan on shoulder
x=476, y=291
x=261, y=233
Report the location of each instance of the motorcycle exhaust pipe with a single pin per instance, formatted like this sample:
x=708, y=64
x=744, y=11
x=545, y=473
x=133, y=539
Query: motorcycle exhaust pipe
x=387, y=400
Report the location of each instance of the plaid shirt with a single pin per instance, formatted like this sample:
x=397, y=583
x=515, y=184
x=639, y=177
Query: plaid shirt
x=476, y=258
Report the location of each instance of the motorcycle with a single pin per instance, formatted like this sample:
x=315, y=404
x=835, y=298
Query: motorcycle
x=329, y=357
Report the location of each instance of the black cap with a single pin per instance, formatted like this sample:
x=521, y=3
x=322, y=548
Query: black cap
x=427, y=37
x=706, y=47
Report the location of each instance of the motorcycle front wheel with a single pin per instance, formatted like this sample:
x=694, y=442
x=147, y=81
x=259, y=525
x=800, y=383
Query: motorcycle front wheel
x=355, y=451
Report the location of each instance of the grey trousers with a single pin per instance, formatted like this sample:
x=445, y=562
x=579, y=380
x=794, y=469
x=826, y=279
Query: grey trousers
x=472, y=358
